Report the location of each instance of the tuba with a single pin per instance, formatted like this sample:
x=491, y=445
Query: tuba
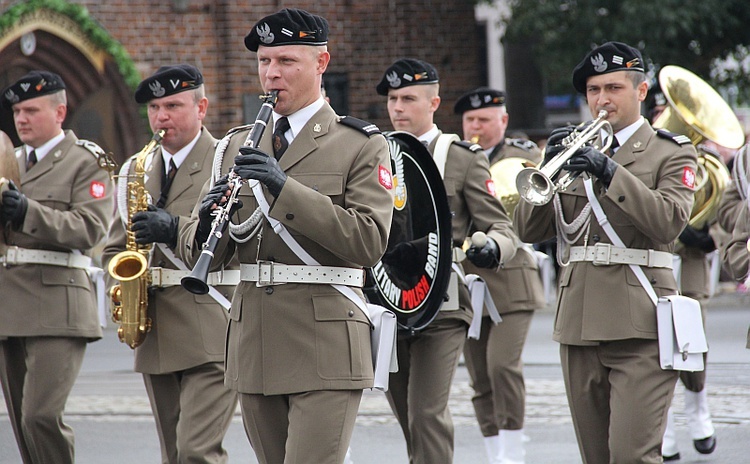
x=129, y=298
x=697, y=111
x=504, y=174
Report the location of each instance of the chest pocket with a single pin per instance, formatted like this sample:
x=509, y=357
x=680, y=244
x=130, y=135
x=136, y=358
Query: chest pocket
x=325, y=183
x=53, y=196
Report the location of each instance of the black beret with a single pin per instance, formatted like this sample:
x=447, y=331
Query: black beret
x=168, y=80
x=290, y=26
x=406, y=72
x=483, y=97
x=607, y=58
x=32, y=85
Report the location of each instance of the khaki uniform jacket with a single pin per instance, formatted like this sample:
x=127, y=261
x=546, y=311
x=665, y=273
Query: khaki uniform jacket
x=187, y=330
x=517, y=286
x=648, y=205
x=293, y=338
x=70, y=208
x=734, y=254
x=473, y=207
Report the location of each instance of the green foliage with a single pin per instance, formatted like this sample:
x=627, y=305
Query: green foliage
x=694, y=34
x=93, y=30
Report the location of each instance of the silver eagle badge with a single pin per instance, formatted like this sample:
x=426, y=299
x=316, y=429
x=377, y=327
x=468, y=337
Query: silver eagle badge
x=157, y=89
x=393, y=79
x=598, y=62
x=265, y=34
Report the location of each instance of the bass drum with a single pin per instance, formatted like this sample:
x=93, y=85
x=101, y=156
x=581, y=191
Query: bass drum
x=412, y=277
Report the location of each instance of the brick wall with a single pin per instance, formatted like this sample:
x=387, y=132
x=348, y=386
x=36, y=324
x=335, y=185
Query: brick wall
x=365, y=38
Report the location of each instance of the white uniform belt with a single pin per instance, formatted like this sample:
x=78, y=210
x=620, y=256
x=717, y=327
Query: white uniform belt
x=15, y=255
x=270, y=273
x=161, y=277
x=604, y=254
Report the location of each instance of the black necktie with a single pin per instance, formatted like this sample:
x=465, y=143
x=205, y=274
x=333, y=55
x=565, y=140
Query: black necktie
x=280, y=143
x=31, y=161
x=166, y=183
x=615, y=144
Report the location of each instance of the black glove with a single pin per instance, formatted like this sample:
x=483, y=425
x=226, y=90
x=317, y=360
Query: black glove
x=155, y=226
x=252, y=163
x=554, y=142
x=487, y=256
x=593, y=161
x=15, y=205
x=404, y=256
x=215, y=197
x=698, y=238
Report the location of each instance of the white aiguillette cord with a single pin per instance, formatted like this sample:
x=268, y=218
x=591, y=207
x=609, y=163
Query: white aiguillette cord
x=616, y=241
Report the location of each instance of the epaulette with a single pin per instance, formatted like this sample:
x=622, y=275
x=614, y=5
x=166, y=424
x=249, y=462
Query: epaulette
x=523, y=144
x=234, y=130
x=95, y=149
x=365, y=127
x=679, y=139
x=475, y=147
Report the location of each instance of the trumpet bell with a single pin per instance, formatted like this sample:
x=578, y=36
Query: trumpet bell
x=534, y=186
x=504, y=174
x=696, y=110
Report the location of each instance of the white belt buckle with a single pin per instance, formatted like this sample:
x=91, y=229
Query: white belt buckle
x=11, y=256
x=602, y=253
x=265, y=267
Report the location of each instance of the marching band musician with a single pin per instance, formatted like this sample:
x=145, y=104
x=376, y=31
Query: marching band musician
x=418, y=393
x=734, y=211
x=694, y=282
x=606, y=322
x=298, y=351
x=60, y=212
x=181, y=358
x=494, y=360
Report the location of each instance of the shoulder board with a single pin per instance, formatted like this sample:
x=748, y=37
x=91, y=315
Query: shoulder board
x=95, y=149
x=362, y=126
x=679, y=139
x=234, y=130
x=475, y=147
x=523, y=144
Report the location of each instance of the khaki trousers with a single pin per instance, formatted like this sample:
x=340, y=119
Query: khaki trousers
x=37, y=374
x=496, y=369
x=618, y=397
x=193, y=410
x=418, y=393
x=311, y=427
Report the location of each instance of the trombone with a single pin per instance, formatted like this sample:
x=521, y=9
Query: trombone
x=538, y=185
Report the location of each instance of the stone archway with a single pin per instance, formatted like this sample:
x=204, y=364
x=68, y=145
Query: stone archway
x=100, y=103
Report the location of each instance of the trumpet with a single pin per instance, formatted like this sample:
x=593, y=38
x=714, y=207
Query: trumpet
x=196, y=282
x=538, y=185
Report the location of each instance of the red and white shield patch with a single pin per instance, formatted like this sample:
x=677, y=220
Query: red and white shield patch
x=688, y=177
x=490, y=187
x=97, y=189
x=384, y=176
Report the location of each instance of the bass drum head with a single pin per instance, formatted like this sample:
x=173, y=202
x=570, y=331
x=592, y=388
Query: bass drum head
x=412, y=277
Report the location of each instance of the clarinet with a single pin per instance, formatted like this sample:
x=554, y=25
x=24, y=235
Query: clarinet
x=196, y=281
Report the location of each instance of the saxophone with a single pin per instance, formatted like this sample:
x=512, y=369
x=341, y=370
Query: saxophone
x=129, y=298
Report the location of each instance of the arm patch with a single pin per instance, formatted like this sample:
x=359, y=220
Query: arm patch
x=363, y=126
x=679, y=139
